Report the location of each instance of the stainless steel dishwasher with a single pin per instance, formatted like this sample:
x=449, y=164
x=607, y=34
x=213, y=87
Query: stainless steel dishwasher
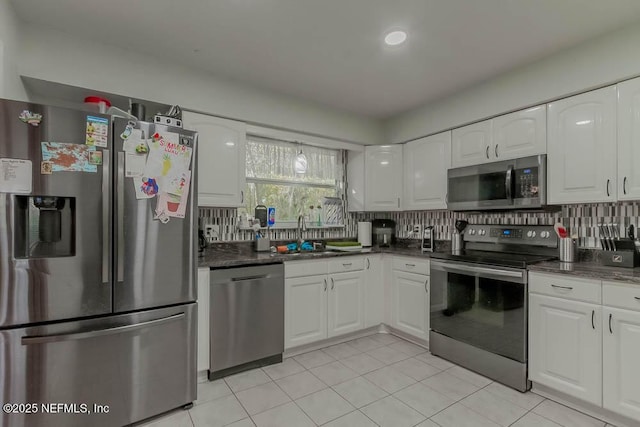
x=246, y=318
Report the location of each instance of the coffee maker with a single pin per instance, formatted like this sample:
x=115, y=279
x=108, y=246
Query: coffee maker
x=383, y=232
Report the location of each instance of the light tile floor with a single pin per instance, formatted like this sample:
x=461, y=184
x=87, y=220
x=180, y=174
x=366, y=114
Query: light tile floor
x=379, y=380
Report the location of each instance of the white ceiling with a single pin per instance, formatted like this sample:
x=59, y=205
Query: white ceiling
x=331, y=51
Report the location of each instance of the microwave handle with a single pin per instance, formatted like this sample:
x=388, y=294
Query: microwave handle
x=508, y=182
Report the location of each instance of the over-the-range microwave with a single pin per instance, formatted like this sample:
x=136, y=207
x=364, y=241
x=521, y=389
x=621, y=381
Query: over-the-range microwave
x=508, y=184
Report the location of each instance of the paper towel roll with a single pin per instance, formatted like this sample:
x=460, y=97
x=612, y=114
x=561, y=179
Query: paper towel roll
x=364, y=233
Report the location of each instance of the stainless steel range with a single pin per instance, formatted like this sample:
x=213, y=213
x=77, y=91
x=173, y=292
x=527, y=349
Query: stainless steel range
x=479, y=299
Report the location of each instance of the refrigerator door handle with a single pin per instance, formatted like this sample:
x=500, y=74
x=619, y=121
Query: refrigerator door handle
x=42, y=339
x=120, y=224
x=106, y=235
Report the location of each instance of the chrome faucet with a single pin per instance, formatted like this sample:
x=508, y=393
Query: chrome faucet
x=302, y=226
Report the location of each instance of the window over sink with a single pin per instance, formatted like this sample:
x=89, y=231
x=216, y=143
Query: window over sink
x=272, y=179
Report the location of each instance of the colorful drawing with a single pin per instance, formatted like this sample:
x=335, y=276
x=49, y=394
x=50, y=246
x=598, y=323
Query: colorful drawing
x=97, y=131
x=149, y=186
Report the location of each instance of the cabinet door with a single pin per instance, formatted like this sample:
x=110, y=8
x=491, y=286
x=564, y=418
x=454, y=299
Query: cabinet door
x=305, y=305
x=520, y=134
x=582, y=148
x=355, y=181
x=346, y=303
x=565, y=346
x=426, y=161
x=621, y=359
x=410, y=310
x=203, y=319
x=373, y=291
x=471, y=145
x=383, y=172
x=629, y=140
x=221, y=159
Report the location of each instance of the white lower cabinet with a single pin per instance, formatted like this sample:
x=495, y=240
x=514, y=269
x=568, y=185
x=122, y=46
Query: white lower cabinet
x=203, y=319
x=305, y=300
x=410, y=296
x=411, y=303
x=584, y=340
x=346, y=303
x=326, y=305
x=565, y=342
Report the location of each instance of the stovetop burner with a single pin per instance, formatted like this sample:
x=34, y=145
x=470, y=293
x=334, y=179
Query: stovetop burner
x=493, y=258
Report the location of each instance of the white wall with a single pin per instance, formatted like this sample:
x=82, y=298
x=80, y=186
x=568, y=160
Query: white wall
x=10, y=84
x=55, y=56
x=606, y=59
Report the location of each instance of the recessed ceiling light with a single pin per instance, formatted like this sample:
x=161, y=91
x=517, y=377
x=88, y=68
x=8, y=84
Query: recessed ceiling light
x=395, y=38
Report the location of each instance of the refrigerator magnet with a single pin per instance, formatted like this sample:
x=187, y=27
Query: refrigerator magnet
x=128, y=129
x=95, y=157
x=46, y=167
x=97, y=131
x=31, y=118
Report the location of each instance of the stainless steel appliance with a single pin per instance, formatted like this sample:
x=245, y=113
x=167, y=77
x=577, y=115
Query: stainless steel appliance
x=97, y=299
x=509, y=184
x=428, y=239
x=479, y=299
x=383, y=232
x=247, y=318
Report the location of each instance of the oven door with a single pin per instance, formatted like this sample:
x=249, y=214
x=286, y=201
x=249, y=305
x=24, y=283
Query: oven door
x=487, y=186
x=483, y=306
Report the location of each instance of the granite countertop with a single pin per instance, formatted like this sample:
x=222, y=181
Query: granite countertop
x=589, y=270
x=221, y=255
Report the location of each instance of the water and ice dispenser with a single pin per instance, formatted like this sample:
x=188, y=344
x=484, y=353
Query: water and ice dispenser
x=44, y=226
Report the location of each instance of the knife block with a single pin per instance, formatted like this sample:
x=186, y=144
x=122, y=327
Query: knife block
x=623, y=258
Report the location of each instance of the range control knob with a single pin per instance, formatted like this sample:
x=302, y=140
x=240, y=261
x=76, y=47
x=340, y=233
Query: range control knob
x=544, y=234
x=531, y=233
x=472, y=231
x=482, y=232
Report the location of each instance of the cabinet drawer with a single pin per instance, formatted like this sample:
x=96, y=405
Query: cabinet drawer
x=623, y=295
x=305, y=268
x=411, y=265
x=561, y=286
x=342, y=264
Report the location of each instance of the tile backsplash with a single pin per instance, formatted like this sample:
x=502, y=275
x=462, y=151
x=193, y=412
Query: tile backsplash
x=583, y=219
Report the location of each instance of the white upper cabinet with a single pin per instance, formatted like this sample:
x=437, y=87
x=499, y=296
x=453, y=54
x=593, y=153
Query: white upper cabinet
x=221, y=159
x=355, y=181
x=520, y=134
x=629, y=140
x=582, y=148
x=471, y=145
x=426, y=161
x=383, y=177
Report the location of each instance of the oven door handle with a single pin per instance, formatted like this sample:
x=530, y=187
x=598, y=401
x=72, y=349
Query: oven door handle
x=512, y=276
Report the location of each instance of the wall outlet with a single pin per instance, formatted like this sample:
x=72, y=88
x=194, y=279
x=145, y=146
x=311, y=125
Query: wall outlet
x=417, y=229
x=211, y=232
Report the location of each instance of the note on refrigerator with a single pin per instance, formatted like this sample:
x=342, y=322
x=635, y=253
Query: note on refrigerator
x=15, y=176
x=134, y=164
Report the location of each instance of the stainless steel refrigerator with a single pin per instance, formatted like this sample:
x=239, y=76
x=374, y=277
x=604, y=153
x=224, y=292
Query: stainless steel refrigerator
x=97, y=295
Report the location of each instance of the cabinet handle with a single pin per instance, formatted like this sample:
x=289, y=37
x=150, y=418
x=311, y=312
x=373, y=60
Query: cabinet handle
x=369, y=265
x=496, y=150
x=325, y=285
x=624, y=185
x=410, y=265
x=241, y=197
x=610, y=317
x=426, y=282
x=638, y=298
x=593, y=315
x=333, y=284
x=562, y=287
x=608, y=182
x=347, y=264
x=487, y=152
